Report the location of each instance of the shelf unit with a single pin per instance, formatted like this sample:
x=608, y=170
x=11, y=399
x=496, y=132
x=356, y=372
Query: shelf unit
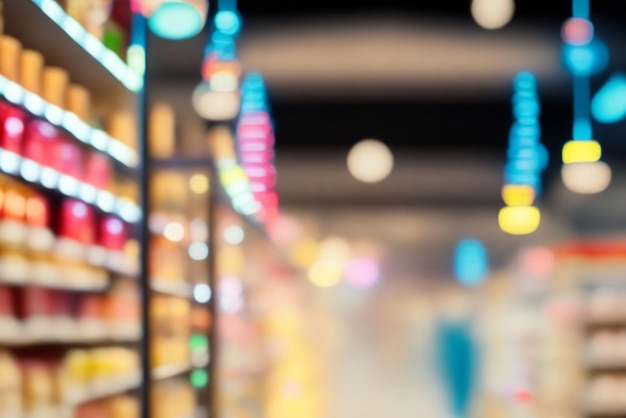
x=43, y=26
x=113, y=85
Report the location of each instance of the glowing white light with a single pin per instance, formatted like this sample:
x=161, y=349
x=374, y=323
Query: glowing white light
x=100, y=140
x=202, y=293
x=30, y=170
x=10, y=162
x=88, y=193
x=73, y=29
x=34, y=104
x=215, y=105
x=49, y=178
x=53, y=10
x=492, y=14
x=335, y=249
x=198, y=251
x=122, y=153
x=129, y=211
x=174, y=231
x=106, y=201
x=586, y=178
x=13, y=92
x=68, y=185
x=224, y=81
x=370, y=161
x=93, y=46
x=54, y=114
x=234, y=235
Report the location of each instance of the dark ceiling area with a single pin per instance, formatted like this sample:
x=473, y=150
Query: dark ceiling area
x=459, y=123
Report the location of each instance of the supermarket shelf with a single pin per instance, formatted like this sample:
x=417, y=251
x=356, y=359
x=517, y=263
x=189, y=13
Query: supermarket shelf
x=76, y=339
x=67, y=44
x=172, y=370
x=184, y=162
x=96, y=138
x=38, y=175
x=179, y=289
x=604, y=412
x=49, y=274
x=106, y=389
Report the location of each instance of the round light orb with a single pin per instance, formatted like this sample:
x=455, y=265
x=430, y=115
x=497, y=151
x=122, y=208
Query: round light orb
x=174, y=231
x=325, y=273
x=581, y=151
x=586, y=60
x=518, y=195
x=198, y=251
x=609, y=103
x=362, y=273
x=577, y=31
x=492, y=14
x=228, y=22
x=178, y=19
x=586, y=178
x=202, y=293
x=471, y=264
x=519, y=220
x=370, y=161
x=234, y=235
x=215, y=105
x=199, y=183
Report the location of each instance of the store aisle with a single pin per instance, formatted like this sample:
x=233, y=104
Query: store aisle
x=380, y=364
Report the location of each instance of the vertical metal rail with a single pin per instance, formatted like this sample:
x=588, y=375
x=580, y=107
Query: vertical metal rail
x=144, y=231
x=214, y=302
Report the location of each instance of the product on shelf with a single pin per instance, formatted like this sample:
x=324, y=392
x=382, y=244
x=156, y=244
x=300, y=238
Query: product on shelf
x=55, y=81
x=10, y=386
x=10, y=50
x=31, y=70
x=161, y=131
x=173, y=398
x=170, y=330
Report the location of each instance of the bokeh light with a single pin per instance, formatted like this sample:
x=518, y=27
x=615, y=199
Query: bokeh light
x=586, y=177
x=215, y=105
x=198, y=251
x=537, y=262
x=518, y=195
x=492, y=14
x=234, y=235
x=199, y=378
x=325, y=273
x=199, y=183
x=581, y=152
x=586, y=60
x=577, y=31
x=178, y=19
x=519, y=220
x=174, y=231
x=362, y=273
x=370, y=161
x=202, y=293
x=305, y=252
x=609, y=103
x=471, y=263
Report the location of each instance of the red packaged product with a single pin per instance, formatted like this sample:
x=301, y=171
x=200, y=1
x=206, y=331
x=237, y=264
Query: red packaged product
x=68, y=158
x=98, y=170
x=34, y=301
x=12, y=133
x=39, y=140
x=77, y=221
x=7, y=307
x=112, y=233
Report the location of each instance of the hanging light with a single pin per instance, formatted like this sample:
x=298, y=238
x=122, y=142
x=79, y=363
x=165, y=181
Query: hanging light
x=215, y=105
x=178, y=19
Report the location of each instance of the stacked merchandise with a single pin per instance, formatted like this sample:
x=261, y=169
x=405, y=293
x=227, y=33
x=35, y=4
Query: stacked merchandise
x=180, y=316
x=597, y=269
x=69, y=299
